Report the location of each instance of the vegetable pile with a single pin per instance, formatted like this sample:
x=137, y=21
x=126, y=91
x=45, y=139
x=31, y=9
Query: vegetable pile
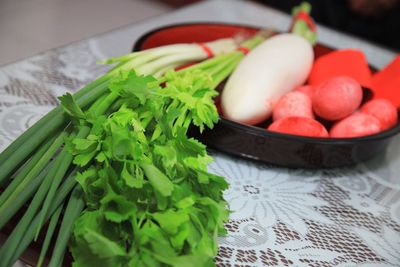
x=280, y=86
x=113, y=164
x=335, y=104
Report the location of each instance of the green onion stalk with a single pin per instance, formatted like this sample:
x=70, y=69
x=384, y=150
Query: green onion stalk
x=37, y=170
x=151, y=61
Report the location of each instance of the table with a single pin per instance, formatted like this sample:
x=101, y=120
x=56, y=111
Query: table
x=281, y=217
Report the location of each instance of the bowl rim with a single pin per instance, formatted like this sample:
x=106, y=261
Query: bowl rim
x=258, y=131
x=139, y=42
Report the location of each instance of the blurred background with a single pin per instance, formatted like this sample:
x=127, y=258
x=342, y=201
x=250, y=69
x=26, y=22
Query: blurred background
x=375, y=20
x=28, y=27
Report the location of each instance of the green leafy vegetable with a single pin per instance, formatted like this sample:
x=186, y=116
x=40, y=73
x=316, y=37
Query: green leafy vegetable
x=151, y=200
x=71, y=107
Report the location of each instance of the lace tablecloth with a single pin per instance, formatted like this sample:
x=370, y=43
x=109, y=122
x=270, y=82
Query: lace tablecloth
x=281, y=217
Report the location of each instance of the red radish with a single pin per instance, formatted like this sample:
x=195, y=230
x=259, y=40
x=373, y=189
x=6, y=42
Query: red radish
x=337, y=98
x=358, y=124
x=383, y=110
x=307, y=89
x=299, y=126
x=293, y=104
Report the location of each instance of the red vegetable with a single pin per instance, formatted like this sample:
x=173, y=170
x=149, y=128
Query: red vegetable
x=386, y=83
x=358, y=124
x=299, y=126
x=337, y=98
x=383, y=110
x=307, y=89
x=293, y=104
x=348, y=62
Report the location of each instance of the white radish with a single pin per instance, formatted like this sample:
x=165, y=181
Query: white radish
x=275, y=67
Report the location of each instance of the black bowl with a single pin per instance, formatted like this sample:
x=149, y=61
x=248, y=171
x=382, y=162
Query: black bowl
x=254, y=142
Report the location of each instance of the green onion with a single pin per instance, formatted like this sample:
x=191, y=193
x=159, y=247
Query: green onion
x=25, y=170
x=72, y=212
x=14, y=155
x=9, y=247
x=9, y=211
x=49, y=235
x=29, y=234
